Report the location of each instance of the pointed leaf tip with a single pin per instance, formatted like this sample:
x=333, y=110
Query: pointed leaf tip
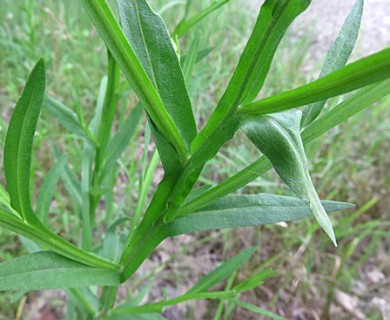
x=19, y=141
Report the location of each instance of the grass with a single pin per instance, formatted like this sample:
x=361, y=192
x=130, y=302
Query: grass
x=352, y=163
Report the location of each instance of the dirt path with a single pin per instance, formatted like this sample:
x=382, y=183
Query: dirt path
x=325, y=18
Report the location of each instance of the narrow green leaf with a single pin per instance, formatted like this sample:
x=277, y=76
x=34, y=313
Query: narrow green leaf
x=48, y=270
x=273, y=21
x=185, y=25
x=48, y=188
x=19, y=141
x=152, y=44
x=257, y=310
x=222, y=272
x=278, y=138
x=358, y=102
x=65, y=116
x=338, y=55
x=120, y=141
x=245, y=211
x=111, y=33
x=363, y=72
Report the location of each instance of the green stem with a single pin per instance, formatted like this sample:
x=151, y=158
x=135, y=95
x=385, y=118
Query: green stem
x=149, y=233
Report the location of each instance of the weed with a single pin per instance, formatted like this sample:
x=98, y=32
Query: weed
x=140, y=48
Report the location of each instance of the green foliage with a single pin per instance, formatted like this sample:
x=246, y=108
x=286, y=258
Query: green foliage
x=278, y=138
x=338, y=55
x=140, y=46
x=19, y=140
x=45, y=270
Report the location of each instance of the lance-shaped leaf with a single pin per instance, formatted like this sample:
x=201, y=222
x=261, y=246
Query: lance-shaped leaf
x=278, y=138
x=19, y=141
x=338, y=55
x=148, y=35
x=272, y=23
x=48, y=270
x=244, y=211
